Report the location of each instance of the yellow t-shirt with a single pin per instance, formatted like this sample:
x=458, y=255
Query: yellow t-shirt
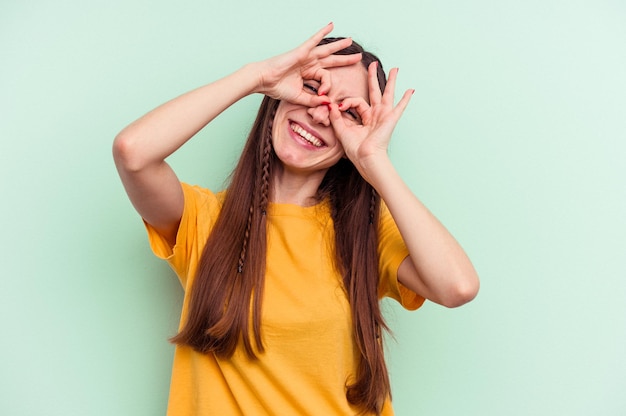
x=306, y=324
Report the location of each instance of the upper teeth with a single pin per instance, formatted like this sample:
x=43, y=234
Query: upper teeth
x=306, y=135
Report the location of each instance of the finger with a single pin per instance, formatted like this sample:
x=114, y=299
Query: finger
x=403, y=103
x=340, y=60
x=336, y=120
x=314, y=40
x=325, y=81
x=309, y=100
x=330, y=48
x=374, y=86
x=387, y=97
x=359, y=105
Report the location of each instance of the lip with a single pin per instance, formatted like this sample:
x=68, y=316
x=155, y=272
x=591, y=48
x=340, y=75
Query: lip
x=309, y=130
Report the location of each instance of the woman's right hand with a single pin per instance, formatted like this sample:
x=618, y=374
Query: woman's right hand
x=282, y=77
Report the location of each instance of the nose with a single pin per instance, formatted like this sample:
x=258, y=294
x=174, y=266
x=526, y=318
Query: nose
x=320, y=115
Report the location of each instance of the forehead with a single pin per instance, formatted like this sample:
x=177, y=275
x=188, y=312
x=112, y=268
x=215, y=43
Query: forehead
x=349, y=81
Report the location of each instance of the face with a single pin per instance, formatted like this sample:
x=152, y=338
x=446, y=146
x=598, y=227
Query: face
x=303, y=137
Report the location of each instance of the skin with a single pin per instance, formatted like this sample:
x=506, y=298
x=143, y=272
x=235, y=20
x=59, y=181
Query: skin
x=304, y=164
x=437, y=267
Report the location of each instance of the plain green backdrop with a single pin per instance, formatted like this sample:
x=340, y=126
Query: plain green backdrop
x=515, y=139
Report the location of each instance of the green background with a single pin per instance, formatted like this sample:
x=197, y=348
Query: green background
x=515, y=139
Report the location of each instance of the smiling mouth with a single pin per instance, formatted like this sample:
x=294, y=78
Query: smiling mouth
x=306, y=135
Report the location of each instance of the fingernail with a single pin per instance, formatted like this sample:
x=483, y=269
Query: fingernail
x=326, y=103
x=412, y=92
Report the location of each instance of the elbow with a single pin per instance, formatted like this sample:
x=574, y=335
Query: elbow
x=126, y=153
x=462, y=292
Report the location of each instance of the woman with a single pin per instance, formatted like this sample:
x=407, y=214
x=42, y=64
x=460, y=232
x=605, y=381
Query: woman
x=283, y=271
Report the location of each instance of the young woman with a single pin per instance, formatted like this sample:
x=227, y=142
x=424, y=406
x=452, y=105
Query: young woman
x=283, y=271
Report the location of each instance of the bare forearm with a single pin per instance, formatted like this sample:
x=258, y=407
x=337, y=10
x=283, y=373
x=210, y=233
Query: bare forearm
x=159, y=133
x=442, y=270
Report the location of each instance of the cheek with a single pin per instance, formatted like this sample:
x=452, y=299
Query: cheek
x=277, y=124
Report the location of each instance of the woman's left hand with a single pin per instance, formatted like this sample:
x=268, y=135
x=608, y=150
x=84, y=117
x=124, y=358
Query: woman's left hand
x=437, y=268
x=366, y=142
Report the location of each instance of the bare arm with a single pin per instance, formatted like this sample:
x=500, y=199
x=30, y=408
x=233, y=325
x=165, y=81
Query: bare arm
x=437, y=267
x=141, y=148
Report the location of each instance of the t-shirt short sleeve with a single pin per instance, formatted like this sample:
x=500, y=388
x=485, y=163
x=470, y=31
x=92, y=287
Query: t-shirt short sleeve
x=392, y=251
x=201, y=208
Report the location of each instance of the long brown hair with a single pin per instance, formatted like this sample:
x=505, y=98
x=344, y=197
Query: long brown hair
x=230, y=278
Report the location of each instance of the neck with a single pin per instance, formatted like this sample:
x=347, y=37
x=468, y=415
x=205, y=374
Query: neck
x=296, y=188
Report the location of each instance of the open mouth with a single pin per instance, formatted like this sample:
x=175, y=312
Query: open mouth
x=306, y=135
